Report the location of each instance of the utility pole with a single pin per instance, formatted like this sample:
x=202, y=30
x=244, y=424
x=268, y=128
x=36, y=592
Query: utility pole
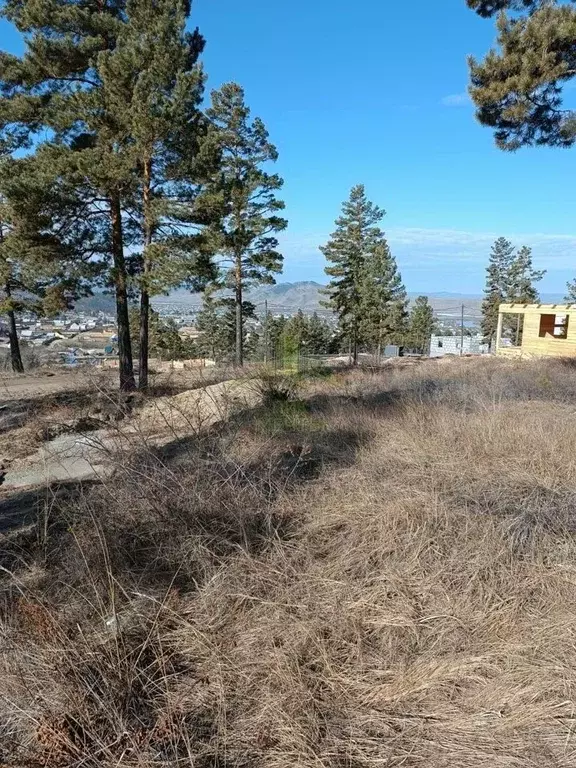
x=462, y=332
x=265, y=331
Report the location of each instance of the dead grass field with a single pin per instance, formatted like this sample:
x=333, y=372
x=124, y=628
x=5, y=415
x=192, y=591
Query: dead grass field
x=381, y=572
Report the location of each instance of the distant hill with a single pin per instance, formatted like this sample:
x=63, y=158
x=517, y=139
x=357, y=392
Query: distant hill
x=282, y=297
x=99, y=302
x=305, y=295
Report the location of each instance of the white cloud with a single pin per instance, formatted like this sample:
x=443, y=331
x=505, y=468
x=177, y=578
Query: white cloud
x=456, y=100
x=445, y=246
x=415, y=247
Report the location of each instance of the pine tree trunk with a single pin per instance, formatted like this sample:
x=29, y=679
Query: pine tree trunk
x=354, y=345
x=15, y=353
x=127, y=382
x=145, y=294
x=239, y=324
x=144, y=337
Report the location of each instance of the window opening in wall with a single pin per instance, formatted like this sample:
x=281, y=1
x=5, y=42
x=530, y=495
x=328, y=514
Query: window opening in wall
x=554, y=325
x=512, y=329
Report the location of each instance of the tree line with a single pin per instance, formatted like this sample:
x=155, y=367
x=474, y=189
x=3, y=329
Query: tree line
x=114, y=175
x=365, y=292
x=271, y=338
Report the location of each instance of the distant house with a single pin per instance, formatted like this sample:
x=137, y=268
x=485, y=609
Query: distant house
x=542, y=330
x=189, y=332
x=452, y=345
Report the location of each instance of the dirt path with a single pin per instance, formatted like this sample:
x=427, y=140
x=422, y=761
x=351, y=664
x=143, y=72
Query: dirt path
x=27, y=386
x=75, y=457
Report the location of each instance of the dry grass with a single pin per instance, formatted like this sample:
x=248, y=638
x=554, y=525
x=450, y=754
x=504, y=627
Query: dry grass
x=382, y=574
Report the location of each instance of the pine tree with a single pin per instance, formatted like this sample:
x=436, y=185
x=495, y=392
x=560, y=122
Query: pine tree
x=267, y=352
x=383, y=301
x=571, y=292
x=252, y=345
x=155, y=85
x=217, y=323
x=497, y=288
x=518, y=87
x=354, y=240
x=59, y=85
x=214, y=342
x=297, y=328
x=318, y=336
x=421, y=324
x=294, y=338
x=521, y=288
x=46, y=253
x=521, y=278
x=230, y=320
x=275, y=333
x=245, y=195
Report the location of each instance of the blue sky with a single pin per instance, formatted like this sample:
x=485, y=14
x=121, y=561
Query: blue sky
x=375, y=92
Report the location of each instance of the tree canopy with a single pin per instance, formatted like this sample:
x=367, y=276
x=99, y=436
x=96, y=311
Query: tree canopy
x=243, y=201
x=510, y=277
x=518, y=86
x=365, y=288
x=104, y=109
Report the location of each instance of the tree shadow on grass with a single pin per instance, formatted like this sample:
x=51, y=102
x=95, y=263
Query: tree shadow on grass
x=169, y=515
x=22, y=508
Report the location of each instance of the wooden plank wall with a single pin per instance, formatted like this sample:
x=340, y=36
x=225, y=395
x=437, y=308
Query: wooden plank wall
x=532, y=344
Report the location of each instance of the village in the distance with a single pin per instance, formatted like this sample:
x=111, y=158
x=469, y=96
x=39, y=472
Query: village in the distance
x=87, y=334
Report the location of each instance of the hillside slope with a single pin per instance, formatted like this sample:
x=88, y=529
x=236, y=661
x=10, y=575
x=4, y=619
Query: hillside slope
x=379, y=573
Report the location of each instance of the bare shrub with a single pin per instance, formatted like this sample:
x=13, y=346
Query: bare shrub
x=274, y=387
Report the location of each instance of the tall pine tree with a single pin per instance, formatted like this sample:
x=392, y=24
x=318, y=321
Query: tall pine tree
x=214, y=341
x=522, y=278
x=497, y=287
x=60, y=86
x=421, y=324
x=245, y=196
x=383, y=301
x=510, y=278
x=355, y=241
x=155, y=86
x=521, y=286
x=318, y=336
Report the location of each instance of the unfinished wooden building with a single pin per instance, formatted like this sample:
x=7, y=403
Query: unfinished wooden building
x=533, y=330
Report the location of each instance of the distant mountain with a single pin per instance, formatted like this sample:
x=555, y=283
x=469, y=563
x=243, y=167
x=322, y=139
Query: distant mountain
x=305, y=295
x=282, y=297
x=99, y=302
